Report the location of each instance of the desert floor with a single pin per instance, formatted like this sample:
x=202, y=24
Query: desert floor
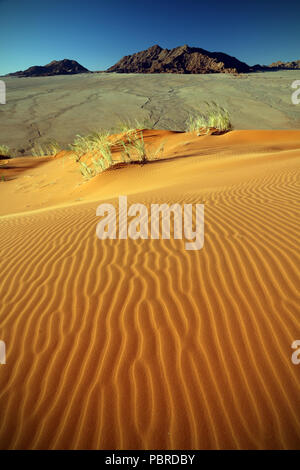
x=122, y=344
x=43, y=108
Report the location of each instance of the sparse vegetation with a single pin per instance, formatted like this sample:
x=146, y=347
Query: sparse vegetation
x=80, y=147
x=97, y=146
x=99, y=165
x=159, y=151
x=38, y=151
x=50, y=148
x=53, y=147
x=105, y=153
x=125, y=154
x=136, y=147
x=92, y=143
x=86, y=171
x=4, y=150
x=215, y=116
x=130, y=126
x=127, y=126
x=94, y=151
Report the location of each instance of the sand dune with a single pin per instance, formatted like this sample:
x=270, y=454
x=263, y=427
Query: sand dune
x=123, y=344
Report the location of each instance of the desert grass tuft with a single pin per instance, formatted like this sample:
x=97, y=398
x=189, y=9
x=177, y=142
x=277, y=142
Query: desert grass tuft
x=130, y=126
x=94, y=151
x=104, y=149
x=50, y=148
x=137, y=151
x=4, y=150
x=38, y=151
x=86, y=171
x=137, y=147
x=158, y=152
x=99, y=165
x=97, y=146
x=93, y=143
x=215, y=116
x=53, y=147
x=125, y=153
x=80, y=147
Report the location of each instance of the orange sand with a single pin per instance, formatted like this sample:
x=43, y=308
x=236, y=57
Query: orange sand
x=123, y=344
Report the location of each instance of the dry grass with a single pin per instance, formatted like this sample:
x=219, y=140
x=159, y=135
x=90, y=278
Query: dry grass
x=94, y=152
x=132, y=125
x=90, y=144
x=50, y=148
x=4, y=150
x=214, y=116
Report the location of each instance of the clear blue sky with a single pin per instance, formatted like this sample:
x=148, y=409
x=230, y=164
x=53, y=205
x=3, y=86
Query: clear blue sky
x=98, y=33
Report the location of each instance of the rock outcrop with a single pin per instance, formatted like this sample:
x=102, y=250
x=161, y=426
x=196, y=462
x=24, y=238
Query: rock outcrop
x=56, y=67
x=183, y=59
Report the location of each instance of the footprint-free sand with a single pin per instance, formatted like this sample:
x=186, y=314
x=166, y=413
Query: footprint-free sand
x=141, y=344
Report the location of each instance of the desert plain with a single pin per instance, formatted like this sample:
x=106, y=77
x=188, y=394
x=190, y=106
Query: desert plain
x=39, y=109
x=141, y=344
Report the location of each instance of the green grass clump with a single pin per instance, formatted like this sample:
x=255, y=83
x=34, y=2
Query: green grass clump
x=92, y=143
x=53, y=147
x=104, y=149
x=96, y=149
x=215, y=116
x=50, y=148
x=158, y=152
x=127, y=126
x=38, y=151
x=130, y=126
x=125, y=154
x=4, y=150
x=99, y=165
x=86, y=171
x=136, y=148
x=80, y=147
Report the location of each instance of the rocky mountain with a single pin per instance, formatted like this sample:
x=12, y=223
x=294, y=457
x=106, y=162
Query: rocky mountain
x=295, y=65
x=183, y=59
x=155, y=59
x=285, y=65
x=56, y=67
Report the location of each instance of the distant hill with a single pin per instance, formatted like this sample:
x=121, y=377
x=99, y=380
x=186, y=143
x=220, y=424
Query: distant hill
x=183, y=59
x=295, y=65
x=56, y=67
x=286, y=65
x=155, y=59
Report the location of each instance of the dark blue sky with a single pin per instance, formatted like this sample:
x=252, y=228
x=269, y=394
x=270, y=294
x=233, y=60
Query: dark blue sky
x=98, y=33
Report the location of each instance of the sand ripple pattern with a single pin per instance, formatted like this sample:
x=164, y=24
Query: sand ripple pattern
x=140, y=344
